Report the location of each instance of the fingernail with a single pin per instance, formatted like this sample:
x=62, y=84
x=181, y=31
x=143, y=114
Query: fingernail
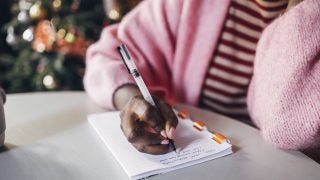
x=163, y=133
x=171, y=133
x=166, y=141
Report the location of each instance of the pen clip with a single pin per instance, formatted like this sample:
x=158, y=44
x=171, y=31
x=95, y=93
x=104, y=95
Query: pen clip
x=122, y=49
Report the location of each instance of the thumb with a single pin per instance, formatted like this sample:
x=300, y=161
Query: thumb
x=170, y=130
x=169, y=117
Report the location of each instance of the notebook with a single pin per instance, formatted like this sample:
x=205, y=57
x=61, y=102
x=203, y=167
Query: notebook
x=193, y=147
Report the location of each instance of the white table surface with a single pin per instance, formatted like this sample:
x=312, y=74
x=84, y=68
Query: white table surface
x=48, y=137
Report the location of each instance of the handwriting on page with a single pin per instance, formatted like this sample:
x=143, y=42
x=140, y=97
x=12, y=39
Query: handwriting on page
x=183, y=156
x=191, y=145
x=192, y=152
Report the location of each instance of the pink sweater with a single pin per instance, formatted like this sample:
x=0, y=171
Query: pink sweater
x=173, y=41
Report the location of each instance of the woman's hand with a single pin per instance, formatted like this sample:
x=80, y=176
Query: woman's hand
x=147, y=127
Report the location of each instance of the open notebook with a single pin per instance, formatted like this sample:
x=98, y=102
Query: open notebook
x=193, y=147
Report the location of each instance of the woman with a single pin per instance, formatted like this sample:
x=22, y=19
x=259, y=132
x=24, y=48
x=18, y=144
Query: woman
x=250, y=60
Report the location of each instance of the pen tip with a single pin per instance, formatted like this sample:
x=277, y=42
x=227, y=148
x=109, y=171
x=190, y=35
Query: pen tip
x=172, y=145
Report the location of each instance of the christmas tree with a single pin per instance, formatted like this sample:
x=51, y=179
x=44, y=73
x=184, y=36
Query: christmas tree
x=49, y=38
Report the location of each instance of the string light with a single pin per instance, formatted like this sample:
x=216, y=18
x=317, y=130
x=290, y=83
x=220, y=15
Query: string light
x=48, y=82
x=114, y=14
x=56, y=4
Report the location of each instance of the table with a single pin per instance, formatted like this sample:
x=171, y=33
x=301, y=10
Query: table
x=48, y=137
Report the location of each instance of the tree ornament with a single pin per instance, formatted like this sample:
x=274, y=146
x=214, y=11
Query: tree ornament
x=55, y=21
x=75, y=5
x=23, y=16
x=28, y=34
x=78, y=47
x=61, y=33
x=44, y=36
x=56, y=4
x=11, y=38
x=49, y=82
x=24, y=4
x=37, y=11
x=70, y=37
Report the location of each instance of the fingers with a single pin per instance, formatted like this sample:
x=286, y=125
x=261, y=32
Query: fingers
x=129, y=123
x=147, y=127
x=170, y=118
x=170, y=131
x=141, y=136
x=147, y=113
x=152, y=149
x=146, y=141
x=153, y=117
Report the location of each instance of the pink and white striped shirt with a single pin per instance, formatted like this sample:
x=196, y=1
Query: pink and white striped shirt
x=226, y=83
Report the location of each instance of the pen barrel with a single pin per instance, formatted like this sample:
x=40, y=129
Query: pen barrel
x=144, y=90
x=133, y=70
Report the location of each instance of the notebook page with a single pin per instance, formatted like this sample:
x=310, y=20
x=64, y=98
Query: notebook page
x=191, y=144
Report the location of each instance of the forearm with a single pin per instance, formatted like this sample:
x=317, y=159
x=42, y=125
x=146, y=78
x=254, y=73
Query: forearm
x=284, y=93
x=105, y=71
x=123, y=94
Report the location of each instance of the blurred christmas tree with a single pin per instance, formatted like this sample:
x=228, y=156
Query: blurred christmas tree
x=48, y=40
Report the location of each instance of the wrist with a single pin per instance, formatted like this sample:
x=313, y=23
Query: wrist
x=123, y=94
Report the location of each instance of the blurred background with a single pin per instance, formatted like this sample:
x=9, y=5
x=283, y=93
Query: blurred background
x=43, y=42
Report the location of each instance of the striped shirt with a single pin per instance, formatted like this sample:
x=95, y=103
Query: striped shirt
x=226, y=83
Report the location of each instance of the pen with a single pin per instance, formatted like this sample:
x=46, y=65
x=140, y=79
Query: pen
x=133, y=70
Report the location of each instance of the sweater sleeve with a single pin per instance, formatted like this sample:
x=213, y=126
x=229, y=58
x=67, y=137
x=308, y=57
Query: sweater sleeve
x=284, y=94
x=149, y=33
